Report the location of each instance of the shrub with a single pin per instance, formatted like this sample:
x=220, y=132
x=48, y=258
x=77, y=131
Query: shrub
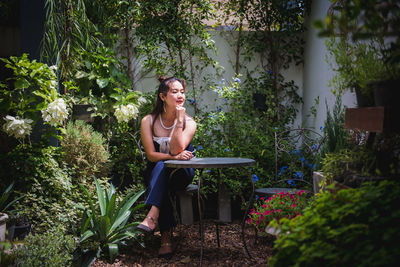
x=84, y=151
x=355, y=227
x=51, y=195
x=50, y=249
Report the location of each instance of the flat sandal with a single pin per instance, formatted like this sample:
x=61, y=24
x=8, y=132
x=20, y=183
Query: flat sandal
x=145, y=229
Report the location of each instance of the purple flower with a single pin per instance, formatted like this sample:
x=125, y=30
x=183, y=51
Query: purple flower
x=191, y=101
x=255, y=178
x=238, y=80
x=282, y=170
x=298, y=175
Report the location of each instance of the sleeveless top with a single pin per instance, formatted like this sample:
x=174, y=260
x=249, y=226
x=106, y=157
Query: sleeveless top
x=162, y=141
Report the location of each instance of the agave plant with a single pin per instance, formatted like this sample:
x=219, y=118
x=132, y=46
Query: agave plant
x=106, y=227
x=5, y=204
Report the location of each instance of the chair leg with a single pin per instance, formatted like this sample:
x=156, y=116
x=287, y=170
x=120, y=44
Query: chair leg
x=217, y=231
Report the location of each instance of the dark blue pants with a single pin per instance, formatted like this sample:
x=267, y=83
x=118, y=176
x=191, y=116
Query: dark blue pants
x=160, y=185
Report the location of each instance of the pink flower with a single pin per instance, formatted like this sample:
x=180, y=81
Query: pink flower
x=294, y=205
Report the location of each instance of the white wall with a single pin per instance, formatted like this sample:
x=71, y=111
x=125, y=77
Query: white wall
x=225, y=44
x=317, y=73
x=311, y=78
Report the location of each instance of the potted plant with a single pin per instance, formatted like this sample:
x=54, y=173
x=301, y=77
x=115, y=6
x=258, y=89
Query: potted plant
x=366, y=47
x=5, y=205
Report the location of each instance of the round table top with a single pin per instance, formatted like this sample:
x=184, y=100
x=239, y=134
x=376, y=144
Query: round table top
x=209, y=163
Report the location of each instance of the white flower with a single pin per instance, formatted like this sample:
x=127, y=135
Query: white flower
x=17, y=127
x=126, y=113
x=56, y=112
x=142, y=100
x=53, y=68
x=53, y=84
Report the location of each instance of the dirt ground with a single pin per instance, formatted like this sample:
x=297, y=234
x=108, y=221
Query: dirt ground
x=186, y=244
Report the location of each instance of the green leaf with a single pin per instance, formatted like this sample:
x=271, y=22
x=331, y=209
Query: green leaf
x=21, y=83
x=127, y=203
x=102, y=82
x=120, y=220
x=116, y=97
x=101, y=198
x=86, y=235
x=81, y=74
x=113, y=251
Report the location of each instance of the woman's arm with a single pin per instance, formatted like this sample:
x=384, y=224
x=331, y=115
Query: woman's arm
x=181, y=138
x=152, y=155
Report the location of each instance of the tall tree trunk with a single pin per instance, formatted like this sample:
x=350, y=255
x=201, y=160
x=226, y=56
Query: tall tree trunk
x=238, y=46
x=131, y=72
x=196, y=111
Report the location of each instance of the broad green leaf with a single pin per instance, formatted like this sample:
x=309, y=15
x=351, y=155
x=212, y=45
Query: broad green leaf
x=127, y=203
x=111, y=207
x=86, y=235
x=102, y=82
x=113, y=251
x=120, y=219
x=21, y=83
x=101, y=198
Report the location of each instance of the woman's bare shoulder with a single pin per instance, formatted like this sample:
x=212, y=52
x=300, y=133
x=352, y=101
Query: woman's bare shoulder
x=189, y=119
x=146, y=118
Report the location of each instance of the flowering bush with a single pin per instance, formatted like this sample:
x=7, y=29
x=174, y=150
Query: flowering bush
x=31, y=88
x=280, y=205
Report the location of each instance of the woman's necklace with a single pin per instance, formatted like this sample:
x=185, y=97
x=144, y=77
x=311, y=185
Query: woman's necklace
x=166, y=128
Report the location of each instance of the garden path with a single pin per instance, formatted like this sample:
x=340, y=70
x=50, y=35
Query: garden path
x=187, y=249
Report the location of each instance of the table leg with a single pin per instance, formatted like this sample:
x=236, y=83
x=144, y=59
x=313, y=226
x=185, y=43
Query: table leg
x=200, y=217
x=246, y=213
x=172, y=199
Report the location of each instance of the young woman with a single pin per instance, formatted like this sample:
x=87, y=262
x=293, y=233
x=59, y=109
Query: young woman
x=166, y=134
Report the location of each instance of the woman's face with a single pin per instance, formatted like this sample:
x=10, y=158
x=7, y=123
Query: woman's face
x=175, y=96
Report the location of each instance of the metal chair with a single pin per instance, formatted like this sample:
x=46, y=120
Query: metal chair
x=295, y=153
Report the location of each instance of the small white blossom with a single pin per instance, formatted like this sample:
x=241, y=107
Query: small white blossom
x=53, y=68
x=17, y=127
x=53, y=84
x=126, y=113
x=56, y=112
x=142, y=100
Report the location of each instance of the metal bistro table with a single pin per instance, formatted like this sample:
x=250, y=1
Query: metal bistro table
x=214, y=163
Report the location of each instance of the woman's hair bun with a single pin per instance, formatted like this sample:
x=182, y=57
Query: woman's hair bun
x=161, y=78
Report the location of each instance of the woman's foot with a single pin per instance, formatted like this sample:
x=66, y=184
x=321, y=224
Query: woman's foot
x=165, y=250
x=148, y=225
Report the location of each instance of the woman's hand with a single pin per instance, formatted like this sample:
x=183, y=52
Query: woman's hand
x=180, y=113
x=184, y=155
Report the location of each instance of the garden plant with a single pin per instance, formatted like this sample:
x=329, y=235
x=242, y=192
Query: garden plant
x=79, y=184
